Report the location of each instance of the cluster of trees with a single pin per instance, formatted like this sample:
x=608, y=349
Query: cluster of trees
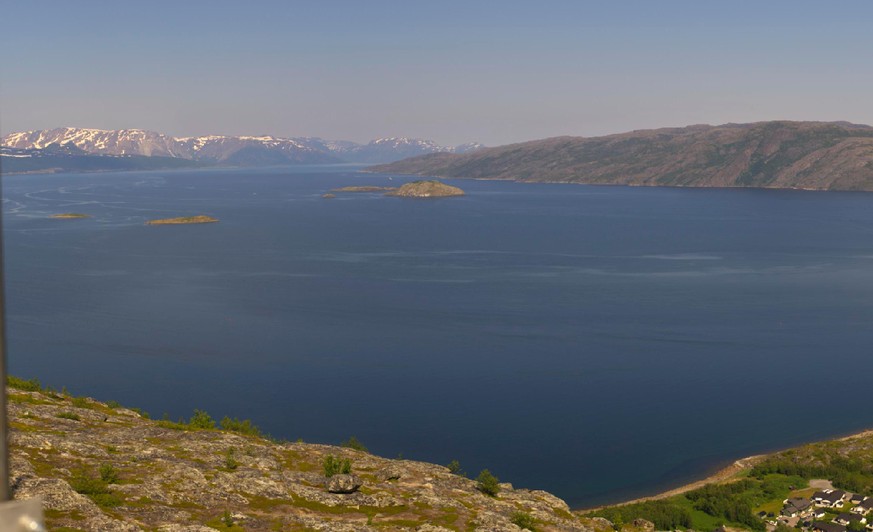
x=733, y=502
x=665, y=514
x=852, y=473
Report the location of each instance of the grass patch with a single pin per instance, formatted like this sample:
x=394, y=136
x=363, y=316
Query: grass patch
x=81, y=402
x=172, y=425
x=21, y=398
x=225, y=522
x=524, y=521
x=96, y=489
x=31, y=385
x=142, y=413
x=300, y=502
x=68, y=415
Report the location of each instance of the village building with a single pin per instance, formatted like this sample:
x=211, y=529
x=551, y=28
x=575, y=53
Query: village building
x=863, y=507
x=821, y=526
x=846, y=518
x=830, y=498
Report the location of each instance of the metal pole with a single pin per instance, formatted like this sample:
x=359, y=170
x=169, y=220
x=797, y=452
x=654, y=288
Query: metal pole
x=5, y=492
x=23, y=516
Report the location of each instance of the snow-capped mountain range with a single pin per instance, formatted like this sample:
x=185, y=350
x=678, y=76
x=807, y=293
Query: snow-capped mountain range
x=226, y=150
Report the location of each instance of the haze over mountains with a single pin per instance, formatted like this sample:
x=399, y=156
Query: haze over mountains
x=780, y=154
x=213, y=149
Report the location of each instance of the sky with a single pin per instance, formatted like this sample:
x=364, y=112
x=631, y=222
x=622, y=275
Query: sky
x=494, y=72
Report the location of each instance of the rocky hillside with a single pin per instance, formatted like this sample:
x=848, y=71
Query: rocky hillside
x=808, y=155
x=99, y=466
x=224, y=149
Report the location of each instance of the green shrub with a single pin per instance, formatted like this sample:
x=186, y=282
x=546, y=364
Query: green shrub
x=81, y=402
x=455, y=468
x=69, y=415
x=172, y=425
x=49, y=391
x=487, y=483
x=95, y=488
x=109, y=474
x=142, y=413
x=31, y=385
x=113, y=404
x=230, y=461
x=354, y=443
x=243, y=427
x=523, y=521
x=201, y=420
x=227, y=519
x=856, y=526
x=333, y=465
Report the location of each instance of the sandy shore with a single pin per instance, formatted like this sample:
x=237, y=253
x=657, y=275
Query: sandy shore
x=723, y=475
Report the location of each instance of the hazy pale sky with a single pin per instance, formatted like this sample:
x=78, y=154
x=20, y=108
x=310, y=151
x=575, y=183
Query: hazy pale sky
x=452, y=71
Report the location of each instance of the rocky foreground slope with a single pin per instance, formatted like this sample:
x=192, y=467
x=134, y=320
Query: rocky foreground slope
x=807, y=155
x=99, y=466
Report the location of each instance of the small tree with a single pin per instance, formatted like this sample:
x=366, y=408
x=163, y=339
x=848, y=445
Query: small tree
x=244, y=426
x=201, y=420
x=455, y=468
x=487, y=483
x=855, y=526
x=523, y=521
x=230, y=461
x=108, y=474
x=354, y=443
x=333, y=465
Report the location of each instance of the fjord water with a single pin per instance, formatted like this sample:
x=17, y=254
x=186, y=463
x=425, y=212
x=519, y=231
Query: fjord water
x=597, y=342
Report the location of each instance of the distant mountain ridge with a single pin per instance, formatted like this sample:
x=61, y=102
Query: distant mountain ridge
x=778, y=154
x=224, y=149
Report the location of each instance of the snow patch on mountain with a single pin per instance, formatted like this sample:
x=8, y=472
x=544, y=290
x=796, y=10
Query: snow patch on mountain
x=249, y=150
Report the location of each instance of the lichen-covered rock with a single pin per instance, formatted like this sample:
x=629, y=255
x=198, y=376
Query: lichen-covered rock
x=638, y=525
x=642, y=524
x=392, y=472
x=174, y=478
x=343, y=484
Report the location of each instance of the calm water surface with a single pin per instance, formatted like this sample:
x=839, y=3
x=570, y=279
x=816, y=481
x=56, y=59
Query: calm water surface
x=597, y=342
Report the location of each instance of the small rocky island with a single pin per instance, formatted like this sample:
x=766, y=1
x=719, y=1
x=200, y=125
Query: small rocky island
x=200, y=219
x=70, y=216
x=426, y=189
x=415, y=189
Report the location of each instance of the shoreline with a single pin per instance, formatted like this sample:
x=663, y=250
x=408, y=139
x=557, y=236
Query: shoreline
x=725, y=474
x=630, y=185
x=722, y=475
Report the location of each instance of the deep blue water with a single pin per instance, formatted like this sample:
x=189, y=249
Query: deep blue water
x=597, y=342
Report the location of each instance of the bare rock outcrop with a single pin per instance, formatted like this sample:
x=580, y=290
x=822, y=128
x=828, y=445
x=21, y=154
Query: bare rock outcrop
x=104, y=468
